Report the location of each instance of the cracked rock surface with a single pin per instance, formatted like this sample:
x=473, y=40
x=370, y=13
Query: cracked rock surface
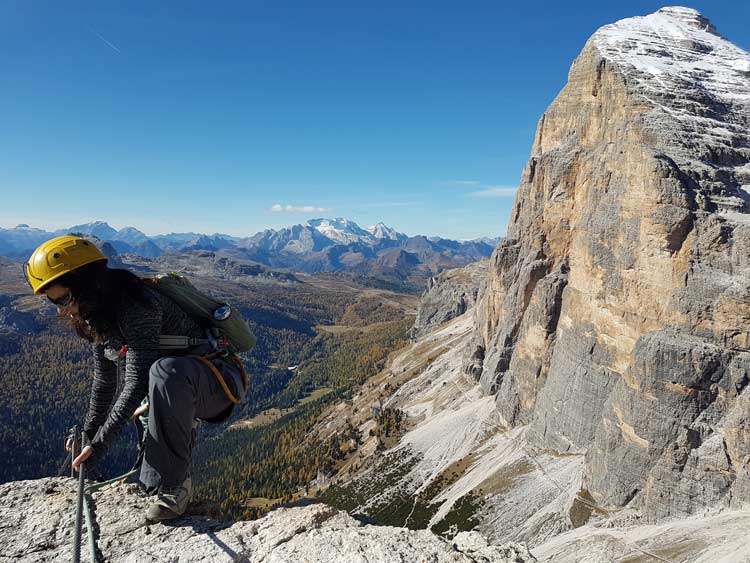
x=36, y=525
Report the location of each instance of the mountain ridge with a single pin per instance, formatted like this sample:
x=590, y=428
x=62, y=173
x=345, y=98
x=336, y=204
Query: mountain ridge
x=339, y=229
x=319, y=245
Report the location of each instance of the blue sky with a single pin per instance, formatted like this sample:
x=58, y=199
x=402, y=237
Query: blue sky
x=178, y=116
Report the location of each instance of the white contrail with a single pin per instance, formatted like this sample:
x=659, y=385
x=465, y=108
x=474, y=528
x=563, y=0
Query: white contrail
x=108, y=43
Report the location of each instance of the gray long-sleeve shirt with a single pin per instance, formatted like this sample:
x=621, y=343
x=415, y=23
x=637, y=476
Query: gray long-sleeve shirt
x=140, y=325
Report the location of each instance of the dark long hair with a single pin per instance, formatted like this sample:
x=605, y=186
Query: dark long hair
x=98, y=291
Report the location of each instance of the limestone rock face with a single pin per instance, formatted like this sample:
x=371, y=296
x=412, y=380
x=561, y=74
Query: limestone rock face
x=449, y=295
x=36, y=525
x=615, y=318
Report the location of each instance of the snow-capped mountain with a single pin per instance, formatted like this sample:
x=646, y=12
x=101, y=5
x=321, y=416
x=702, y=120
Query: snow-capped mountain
x=341, y=230
x=381, y=230
x=337, y=231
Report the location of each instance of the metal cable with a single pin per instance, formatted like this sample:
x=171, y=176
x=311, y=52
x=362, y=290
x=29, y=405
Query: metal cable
x=79, y=509
x=88, y=511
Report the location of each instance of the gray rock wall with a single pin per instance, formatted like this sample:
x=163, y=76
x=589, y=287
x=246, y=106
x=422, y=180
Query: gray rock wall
x=614, y=318
x=448, y=295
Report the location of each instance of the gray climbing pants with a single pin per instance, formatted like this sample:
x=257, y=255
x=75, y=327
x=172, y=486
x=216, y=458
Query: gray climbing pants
x=181, y=389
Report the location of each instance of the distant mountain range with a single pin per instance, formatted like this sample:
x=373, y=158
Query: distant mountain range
x=319, y=245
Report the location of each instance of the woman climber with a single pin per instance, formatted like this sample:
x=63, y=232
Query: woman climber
x=124, y=318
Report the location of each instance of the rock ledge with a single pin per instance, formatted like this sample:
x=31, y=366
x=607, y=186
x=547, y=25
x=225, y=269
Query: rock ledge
x=36, y=524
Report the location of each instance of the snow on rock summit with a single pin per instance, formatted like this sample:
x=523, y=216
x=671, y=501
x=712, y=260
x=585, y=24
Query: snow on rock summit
x=680, y=46
x=698, y=86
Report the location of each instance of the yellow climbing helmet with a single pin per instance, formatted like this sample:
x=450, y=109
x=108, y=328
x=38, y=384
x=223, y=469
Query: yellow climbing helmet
x=57, y=257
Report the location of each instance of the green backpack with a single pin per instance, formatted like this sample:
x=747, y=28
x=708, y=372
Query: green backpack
x=226, y=327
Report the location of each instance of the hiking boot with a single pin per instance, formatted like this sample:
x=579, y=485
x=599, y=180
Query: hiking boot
x=170, y=502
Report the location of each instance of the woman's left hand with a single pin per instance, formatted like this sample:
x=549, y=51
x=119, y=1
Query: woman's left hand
x=83, y=456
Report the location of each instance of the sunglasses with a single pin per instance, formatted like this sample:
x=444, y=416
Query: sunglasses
x=63, y=301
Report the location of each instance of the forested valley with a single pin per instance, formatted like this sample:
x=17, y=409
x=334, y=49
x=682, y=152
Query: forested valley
x=317, y=340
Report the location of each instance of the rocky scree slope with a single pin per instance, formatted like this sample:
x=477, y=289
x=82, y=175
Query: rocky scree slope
x=613, y=325
x=458, y=467
x=36, y=525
